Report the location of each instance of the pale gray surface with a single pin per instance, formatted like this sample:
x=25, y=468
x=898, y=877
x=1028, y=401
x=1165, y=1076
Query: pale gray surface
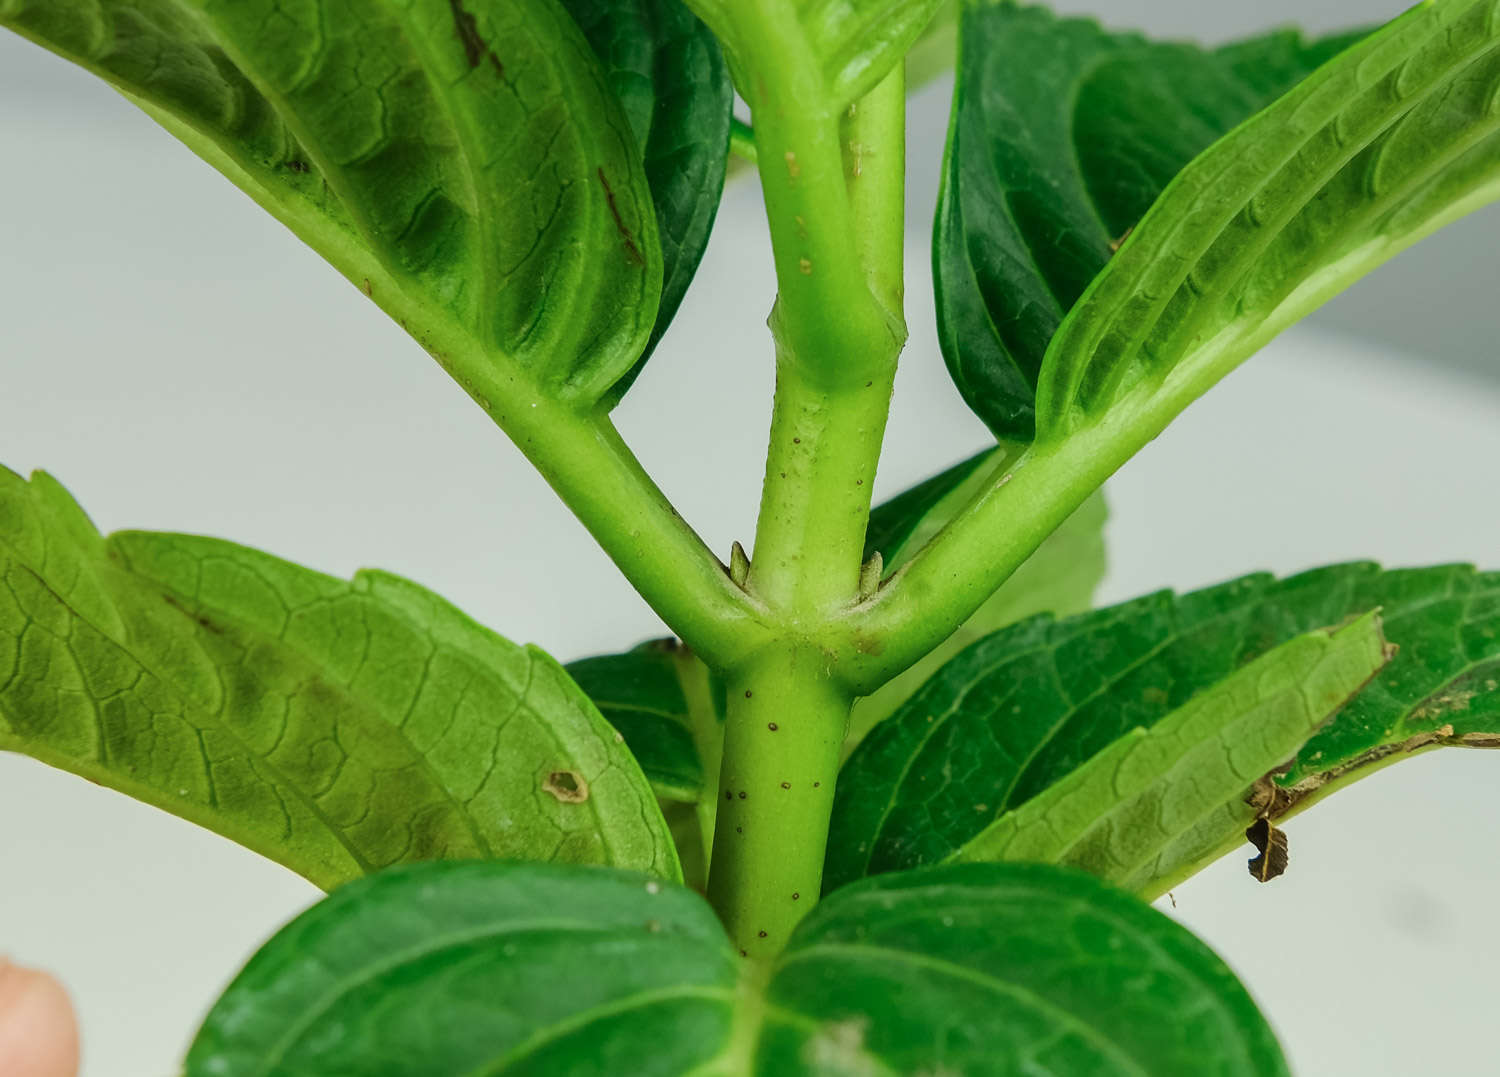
x=181, y=363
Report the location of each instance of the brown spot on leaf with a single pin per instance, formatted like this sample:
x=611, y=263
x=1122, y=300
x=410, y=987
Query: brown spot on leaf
x=1444, y=703
x=476, y=49
x=297, y=166
x=567, y=786
x=632, y=252
x=1271, y=845
x=201, y=620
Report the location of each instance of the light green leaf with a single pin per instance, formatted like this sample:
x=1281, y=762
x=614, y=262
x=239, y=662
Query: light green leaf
x=855, y=42
x=334, y=726
x=977, y=969
x=1060, y=577
x=1115, y=815
x=461, y=161
x=1030, y=706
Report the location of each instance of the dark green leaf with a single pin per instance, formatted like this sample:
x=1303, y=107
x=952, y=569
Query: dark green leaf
x=1059, y=578
x=662, y=699
x=1062, y=137
x=669, y=74
x=893, y=528
x=461, y=161
x=1028, y=706
x=481, y=968
x=334, y=726
x=504, y=968
x=670, y=710
x=999, y=969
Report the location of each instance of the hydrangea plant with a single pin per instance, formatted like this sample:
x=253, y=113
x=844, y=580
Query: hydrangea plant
x=892, y=799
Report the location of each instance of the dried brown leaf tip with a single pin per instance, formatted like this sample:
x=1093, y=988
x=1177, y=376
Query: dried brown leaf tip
x=1271, y=846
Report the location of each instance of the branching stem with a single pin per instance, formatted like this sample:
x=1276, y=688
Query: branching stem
x=834, y=200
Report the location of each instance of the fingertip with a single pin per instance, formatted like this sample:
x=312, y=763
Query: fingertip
x=38, y=1032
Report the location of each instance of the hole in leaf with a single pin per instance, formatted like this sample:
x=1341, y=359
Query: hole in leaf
x=567, y=786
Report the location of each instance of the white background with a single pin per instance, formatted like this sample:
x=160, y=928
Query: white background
x=181, y=363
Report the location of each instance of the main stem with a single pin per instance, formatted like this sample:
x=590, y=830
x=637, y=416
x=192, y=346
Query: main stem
x=834, y=199
x=783, y=734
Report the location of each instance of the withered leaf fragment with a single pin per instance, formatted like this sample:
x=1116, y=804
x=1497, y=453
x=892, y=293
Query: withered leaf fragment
x=1271, y=846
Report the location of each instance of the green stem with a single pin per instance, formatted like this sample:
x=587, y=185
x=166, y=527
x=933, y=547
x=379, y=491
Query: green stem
x=828, y=420
x=581, y=456
x=834, y=199
x=782, y=739
x=827, y=322
x=940, y=588
x=874, y=137
x=584, y=459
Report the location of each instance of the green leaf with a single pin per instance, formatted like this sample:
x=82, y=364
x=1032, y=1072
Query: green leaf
x=1395, y=138
x=663, y=700
x=668, y=72
x=1312, y=184
x=461, y=161
x=1062, y=136
x=1115, y=815
x=855, y=42
x=670, y=709
x=334, y=726
x=481, y=968
x=1025, y=708
x=1060, y=577
x=505, y=968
